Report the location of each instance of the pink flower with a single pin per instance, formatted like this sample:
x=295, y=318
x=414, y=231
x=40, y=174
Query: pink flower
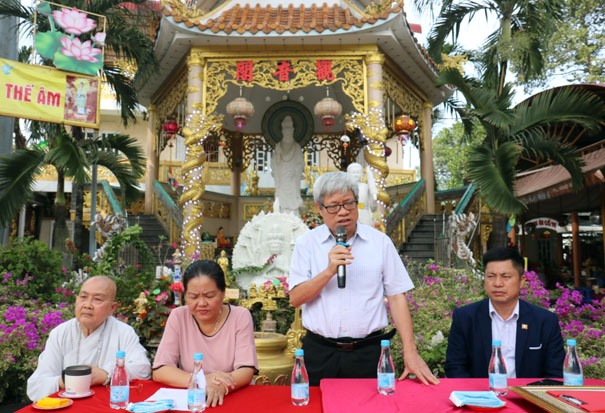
x=79, y=50
x=74, y=22
x=100, y=37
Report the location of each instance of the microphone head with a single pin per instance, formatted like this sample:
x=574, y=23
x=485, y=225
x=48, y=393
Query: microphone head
x=340, y=233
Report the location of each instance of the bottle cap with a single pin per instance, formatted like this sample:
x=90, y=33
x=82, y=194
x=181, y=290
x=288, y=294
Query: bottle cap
x=198, y=356
x=571, y=342
x=385, y=343
x=496, y=342
x=299, y=352
x=121, y=353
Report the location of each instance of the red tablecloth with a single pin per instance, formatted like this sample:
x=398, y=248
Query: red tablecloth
x=360, y=395
x=250, y=399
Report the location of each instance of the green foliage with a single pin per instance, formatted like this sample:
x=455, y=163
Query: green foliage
x=432, y=303
x=130, y=280
x=24, y=327
x=577, y=48
x=451, y=150
x=28, y=257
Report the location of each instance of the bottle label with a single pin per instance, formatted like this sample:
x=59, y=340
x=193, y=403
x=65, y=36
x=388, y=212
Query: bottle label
x=119, y=394
x=570, y=379
x=386, y=380
x=300, y=391
x=195, y=397
x=497, y=381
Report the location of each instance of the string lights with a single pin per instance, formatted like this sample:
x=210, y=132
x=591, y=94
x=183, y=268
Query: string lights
x=198, y=129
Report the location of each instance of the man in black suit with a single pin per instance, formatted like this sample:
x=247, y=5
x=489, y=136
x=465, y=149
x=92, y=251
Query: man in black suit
x=532, y=344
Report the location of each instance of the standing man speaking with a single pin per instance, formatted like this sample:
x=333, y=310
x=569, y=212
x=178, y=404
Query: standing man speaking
x=345, y=325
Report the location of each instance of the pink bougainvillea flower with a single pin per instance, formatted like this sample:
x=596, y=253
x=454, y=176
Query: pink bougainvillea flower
x=100, y=37
x=73, y=21
x=81, y=51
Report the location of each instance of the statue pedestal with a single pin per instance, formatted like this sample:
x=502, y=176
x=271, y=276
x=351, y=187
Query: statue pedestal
x=274, y=365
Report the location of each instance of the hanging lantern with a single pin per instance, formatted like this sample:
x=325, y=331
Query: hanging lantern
x=404, y=125
x=240, y=110
x=327, y=109
x=387, y=151
x=344, y=139
x=222, y=141
x=170, y=128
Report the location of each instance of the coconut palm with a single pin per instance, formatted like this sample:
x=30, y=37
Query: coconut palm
x=524, y=25
x=520, y=131
x=118, y=153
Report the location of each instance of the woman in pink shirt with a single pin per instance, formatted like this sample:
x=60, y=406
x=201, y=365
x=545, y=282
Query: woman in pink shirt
x=223, y=333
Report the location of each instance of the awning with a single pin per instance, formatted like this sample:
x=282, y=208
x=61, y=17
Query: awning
x=555, y=181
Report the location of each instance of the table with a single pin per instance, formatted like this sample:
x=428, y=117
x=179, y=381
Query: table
x=360, y=395
x=249, y=399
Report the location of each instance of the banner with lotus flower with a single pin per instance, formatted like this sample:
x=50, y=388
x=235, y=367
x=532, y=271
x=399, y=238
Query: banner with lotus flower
x=74, y=40
x=48, y=94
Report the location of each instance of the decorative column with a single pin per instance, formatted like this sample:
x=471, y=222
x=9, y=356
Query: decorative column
x=151, y=171
x=375, y=130
x=426, y=156
x=575, y=247
x=195, y=132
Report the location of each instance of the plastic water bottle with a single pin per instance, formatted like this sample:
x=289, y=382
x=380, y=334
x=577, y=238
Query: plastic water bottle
x=497, y=370
x=386, y=370
x=119, y=391
x=300, y=380
x=572, y=369
x=196, y=393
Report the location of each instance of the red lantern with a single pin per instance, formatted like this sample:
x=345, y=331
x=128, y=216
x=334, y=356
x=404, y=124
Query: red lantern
x=387, y=151
x=327, y=109
x=403, y=126
x=170, y=128
x=240, y=109
x=345, y=142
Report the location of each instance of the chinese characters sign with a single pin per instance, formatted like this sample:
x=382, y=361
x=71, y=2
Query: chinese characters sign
x=283, y=71
x=47, y=94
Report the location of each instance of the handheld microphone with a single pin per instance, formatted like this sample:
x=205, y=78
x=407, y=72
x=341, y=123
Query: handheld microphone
x=341, y=238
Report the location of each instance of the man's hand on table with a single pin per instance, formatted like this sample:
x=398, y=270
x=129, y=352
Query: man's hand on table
x=98, y=376
x=414, y=364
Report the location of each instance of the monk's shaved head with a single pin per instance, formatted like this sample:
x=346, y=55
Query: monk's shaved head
x=102, y=282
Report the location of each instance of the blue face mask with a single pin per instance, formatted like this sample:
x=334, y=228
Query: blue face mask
x=475, y=398
x=151, y=407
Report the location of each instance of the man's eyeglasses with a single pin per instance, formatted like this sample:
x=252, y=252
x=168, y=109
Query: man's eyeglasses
x=333, y=209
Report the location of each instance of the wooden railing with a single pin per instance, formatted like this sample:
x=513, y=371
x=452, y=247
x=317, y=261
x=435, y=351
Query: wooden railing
x=167, y=212
x=405, y=215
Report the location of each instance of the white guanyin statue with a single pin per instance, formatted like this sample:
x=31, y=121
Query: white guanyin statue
x=287, y=166
x=368, y=192
x=266, y=235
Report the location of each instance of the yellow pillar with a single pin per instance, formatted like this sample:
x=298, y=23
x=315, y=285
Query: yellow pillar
x=426, y=156
x=191, y=199
x=151, y=170
x=374, y=155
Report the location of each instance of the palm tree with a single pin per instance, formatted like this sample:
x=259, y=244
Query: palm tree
x=118, y=153
x=128, y=41
x=520, y=131
x=524, y=25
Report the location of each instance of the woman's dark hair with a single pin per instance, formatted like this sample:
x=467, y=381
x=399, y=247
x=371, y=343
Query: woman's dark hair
x=205, y=268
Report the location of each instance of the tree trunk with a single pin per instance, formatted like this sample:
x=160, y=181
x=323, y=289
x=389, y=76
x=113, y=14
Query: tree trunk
x=77, y=201
x=60, y=234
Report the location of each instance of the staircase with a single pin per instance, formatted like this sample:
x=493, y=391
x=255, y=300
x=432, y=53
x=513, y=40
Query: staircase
x=152, y=229
x=420, y=246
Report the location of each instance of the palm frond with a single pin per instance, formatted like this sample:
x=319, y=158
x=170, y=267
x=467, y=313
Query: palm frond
x=129, y=147
x=67, y=155
x=565, y=105
x=17, y=173
x=493, y=170
x=539, y=146
x=123, y=173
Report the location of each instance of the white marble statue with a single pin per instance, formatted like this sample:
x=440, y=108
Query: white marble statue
x=287, y=166
x=368, y=192
x=262, y=237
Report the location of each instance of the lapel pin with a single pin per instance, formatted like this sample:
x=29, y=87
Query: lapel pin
x=523, y=326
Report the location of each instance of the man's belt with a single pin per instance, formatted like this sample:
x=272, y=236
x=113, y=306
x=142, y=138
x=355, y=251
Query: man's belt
x=348, y=343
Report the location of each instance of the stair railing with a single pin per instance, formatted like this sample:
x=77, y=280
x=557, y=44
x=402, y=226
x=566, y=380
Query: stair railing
x=167, y=212
x=406, y=214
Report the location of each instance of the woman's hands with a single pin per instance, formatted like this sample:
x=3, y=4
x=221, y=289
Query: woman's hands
x=218, y=385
